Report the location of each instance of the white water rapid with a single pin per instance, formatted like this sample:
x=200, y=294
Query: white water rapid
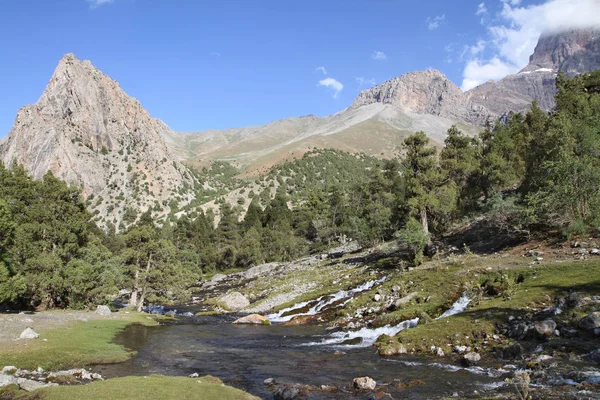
x=321, y=303
x=459, y=306
x=368, y=336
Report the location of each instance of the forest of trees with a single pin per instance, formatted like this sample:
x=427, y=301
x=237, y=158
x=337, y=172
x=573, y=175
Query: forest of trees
x=536, y=172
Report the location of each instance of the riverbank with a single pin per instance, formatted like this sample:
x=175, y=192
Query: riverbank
x=67, y=339
x=135, y=388
x=76, y=339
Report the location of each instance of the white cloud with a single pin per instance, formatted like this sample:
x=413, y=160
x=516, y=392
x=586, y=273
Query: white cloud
x=362, y=81
x=514, y=39
x=481, y=9
x=435, y=22
x=333, y=84
x=322, y=69
x=378, y=55
x=215, y=54
x=98, y=3
x=477, y=72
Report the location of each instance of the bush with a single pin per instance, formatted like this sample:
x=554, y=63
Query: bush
x=415, y=239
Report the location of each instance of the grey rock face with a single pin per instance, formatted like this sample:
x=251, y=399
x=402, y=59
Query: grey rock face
x=87, y=131
x=572, y=52
x=425, y=92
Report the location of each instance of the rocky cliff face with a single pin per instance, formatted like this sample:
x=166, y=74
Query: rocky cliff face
x=572, y=52
x=88, y=131
x=425, y=92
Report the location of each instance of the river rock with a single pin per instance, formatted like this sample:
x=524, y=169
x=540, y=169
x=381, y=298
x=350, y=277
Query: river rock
x=364, y=383
x=545, y=328
x=398, y=303
x=103, y=310
x=6, y=380
x=233, y=301
x=29, y=334
x=9, y=370
x=254, y=319
x=461, y=349
x=470, y=359
x=591, y=321
x=29, y=386
x=437, y=351
x=269, y=382
x=290, y=392
x=377, y=297
x=259, y=270
x=513, y=352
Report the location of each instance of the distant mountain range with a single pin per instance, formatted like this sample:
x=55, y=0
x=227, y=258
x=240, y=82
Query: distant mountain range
x=87, y=130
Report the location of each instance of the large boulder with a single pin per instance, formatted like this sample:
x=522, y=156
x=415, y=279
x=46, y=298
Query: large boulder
x=6, y=380
x=259, y=270
x=218, y=278
x=29, y=334
x=253, y=319
x=233, y=301
x=545, y=328
x=591, y=321
x=103, y=310
x=364, y=383
x=470, y=359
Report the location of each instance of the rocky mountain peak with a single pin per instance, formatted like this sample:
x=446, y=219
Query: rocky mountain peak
x=88, y=131
x=572, y=51
x=425, y=92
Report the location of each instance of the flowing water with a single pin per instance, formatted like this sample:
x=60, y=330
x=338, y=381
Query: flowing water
x=244, y=356
x=320, y=304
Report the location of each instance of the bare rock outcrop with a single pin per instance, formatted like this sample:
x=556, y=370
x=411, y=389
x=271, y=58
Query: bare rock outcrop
x=87, y=131
x=571, y=52
x=425, y=92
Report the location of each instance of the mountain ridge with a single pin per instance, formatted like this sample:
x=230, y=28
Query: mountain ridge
x=88, y=131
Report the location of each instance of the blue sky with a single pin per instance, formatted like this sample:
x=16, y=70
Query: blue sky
x=214, y=64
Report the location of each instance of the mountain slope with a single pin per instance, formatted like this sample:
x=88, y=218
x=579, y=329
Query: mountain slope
x=423, y=100
x=572, y=52
x=88, y=131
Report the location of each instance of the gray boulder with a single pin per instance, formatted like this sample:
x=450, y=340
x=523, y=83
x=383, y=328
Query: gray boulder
x=259, y=270
x=29, y=334
x=234, y=301
x=103, y=310
x=591, y=321
x=364, y=383
x=471, y=358
x=545, y=328
x=218, y=278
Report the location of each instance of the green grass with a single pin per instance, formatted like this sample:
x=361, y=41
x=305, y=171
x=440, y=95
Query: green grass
x=74, y=345
x=137, y=387
x=541, y=286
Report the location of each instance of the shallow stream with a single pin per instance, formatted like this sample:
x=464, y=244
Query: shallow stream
x=244, y=356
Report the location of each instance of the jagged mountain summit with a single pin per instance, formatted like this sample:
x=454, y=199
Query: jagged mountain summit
x=425, y=92
x=88, y=131
x=571, y=52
